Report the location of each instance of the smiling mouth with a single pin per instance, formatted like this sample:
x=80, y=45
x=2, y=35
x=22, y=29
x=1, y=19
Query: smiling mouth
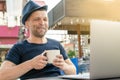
x=40, y=28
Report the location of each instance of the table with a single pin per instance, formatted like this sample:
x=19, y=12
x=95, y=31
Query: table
x=48, y=78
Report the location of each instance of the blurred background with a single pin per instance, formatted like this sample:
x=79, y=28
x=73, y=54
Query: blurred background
x=69, y=23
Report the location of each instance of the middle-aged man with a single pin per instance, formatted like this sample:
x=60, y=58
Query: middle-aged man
x=25, y=60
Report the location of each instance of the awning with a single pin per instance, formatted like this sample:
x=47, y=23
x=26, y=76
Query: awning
x=8, y=36
x=9, y=32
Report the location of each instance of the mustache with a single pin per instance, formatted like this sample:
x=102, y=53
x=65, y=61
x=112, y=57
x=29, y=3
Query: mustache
x=40, y=27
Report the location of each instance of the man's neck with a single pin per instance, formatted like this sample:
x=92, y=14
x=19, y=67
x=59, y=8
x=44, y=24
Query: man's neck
x=37, y=40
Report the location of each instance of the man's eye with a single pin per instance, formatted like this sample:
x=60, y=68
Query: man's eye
x=45, y=19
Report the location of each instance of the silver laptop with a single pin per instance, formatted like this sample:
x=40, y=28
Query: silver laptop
x=104, y=51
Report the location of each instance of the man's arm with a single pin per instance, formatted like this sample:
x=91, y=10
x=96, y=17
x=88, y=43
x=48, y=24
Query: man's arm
x=69, y=67
x=10, y=71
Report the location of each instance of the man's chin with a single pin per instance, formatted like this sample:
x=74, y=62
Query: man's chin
x=40, y=36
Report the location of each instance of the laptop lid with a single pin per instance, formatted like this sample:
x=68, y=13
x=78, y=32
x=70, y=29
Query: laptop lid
x=105, y=49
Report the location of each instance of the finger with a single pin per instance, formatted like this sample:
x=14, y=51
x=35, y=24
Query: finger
x=44, y=62
x=44, y=58
x=59, y=56
x=60, y=65
x=58, y=61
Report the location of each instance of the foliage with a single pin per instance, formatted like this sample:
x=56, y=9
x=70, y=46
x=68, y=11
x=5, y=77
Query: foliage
x=71, y=54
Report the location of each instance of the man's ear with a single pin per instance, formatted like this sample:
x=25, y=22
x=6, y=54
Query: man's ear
x=26, y=24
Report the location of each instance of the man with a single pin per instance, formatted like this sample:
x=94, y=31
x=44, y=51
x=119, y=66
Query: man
x=25, y=60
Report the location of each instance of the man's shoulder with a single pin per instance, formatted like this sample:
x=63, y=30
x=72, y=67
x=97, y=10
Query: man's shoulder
x=20, y=43
x=53, y=40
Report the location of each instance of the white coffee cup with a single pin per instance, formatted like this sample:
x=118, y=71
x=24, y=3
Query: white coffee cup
x=51, y=55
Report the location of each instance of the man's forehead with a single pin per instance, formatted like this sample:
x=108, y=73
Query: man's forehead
x=42, y=14
x=39, y=12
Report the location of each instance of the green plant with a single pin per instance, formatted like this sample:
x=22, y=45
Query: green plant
x=71, y=54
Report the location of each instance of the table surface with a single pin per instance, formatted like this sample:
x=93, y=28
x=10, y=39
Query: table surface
x=48, y=78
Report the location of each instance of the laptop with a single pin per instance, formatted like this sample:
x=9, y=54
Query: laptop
x=104, y=51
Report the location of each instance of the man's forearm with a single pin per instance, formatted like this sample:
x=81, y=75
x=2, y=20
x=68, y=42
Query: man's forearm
x=70, y=70
x=15, y=71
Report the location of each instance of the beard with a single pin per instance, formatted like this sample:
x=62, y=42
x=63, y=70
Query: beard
x=40, y=33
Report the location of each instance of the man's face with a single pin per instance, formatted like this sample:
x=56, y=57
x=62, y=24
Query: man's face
x=37, y=23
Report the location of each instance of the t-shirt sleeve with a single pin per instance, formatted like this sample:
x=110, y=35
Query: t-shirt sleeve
x=13, y=55
x=63, y=52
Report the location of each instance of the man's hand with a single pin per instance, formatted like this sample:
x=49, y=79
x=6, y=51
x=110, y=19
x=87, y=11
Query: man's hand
x=39, y=62
x=59, y=62
x=66, y=65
